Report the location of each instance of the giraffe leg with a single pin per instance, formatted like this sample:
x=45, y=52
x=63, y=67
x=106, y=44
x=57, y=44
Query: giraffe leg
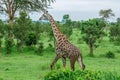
x=72, y=63
x=54, y=61
x=64, y=61
x=81, y=62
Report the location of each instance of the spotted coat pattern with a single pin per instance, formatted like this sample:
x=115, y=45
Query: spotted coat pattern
x=64, y=49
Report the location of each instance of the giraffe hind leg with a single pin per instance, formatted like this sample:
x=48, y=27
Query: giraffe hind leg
x=81, y=62
x=54, y=61
x=72, y=63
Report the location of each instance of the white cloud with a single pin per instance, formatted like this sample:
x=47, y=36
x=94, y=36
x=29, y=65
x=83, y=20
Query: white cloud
x=80, y=9
x=76, y=5
x=83, y=9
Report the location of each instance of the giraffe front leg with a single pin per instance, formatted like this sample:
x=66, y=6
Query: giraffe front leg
x=54, y=61
x=64, y=61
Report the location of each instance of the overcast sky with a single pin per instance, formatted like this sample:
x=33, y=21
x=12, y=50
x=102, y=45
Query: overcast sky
x=81, y=9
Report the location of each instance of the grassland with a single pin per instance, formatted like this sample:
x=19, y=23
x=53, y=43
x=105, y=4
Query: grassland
x=30, y=66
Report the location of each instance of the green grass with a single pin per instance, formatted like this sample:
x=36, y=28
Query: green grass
x=29, y=66
x=33, y=67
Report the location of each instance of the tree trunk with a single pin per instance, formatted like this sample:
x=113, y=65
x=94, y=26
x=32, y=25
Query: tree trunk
x=91, y=49
x=11, y=23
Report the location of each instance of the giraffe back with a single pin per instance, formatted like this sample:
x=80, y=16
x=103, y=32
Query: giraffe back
x=65, y=48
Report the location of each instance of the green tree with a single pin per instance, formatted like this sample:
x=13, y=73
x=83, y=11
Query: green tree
x=115, y=32
x=22, y=28
x=66, y=27
x=10, y=7
x=92, y=30
x=1, y=32
x=66, y=17
x=8, y=45
x=106, y=14
x=8, y=38
x=37, y=29
x=76, y=24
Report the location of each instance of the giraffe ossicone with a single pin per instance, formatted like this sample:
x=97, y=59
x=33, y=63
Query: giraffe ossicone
x=64, y=49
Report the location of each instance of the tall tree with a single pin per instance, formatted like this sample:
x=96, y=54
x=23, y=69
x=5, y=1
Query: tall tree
x=10, y=7
x=22, y=28
x=67, y=26
x=106, y=14
x=115, y=32
x=92, y=30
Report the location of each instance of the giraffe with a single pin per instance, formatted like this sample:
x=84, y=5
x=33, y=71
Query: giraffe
x=63, y=48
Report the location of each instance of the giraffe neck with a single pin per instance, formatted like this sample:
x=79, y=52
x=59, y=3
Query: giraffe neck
x=56, y=31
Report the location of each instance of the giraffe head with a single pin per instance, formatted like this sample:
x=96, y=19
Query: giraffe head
x=45, y=16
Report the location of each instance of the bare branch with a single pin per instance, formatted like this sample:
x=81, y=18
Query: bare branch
x=2, y=9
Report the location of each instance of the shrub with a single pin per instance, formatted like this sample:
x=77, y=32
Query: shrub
x=80, y=75
x=31, y=39
x=50, y=48
x=110, y=55
x=40, y=48
x=73, y=75
x=60, y=75
x=8, y=44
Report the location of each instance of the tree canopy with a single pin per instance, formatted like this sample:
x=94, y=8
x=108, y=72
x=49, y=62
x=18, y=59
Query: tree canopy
x=106, y=13
x=92, y=30
x=10, y=7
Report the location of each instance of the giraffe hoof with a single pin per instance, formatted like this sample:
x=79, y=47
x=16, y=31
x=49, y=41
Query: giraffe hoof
x=83, y=67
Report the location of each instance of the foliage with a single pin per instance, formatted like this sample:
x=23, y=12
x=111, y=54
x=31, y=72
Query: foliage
x=106, y=13
x=66, y=28
x=1, y=32
x=76, y=24
x=80, y=75
x=115, y=32
x=31, y=39
x=92, y=30
x=8, y=45
x=10, y=7
x=110, y=55
x=8, y=38
x=40, y=48
x=1, y=29
x=22, y=28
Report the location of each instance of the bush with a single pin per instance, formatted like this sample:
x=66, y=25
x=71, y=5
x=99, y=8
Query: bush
x=8, y=44
x=80, y=75
x=31, y=39
x=40, y=48
x=110, y=55
x=60, y=75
